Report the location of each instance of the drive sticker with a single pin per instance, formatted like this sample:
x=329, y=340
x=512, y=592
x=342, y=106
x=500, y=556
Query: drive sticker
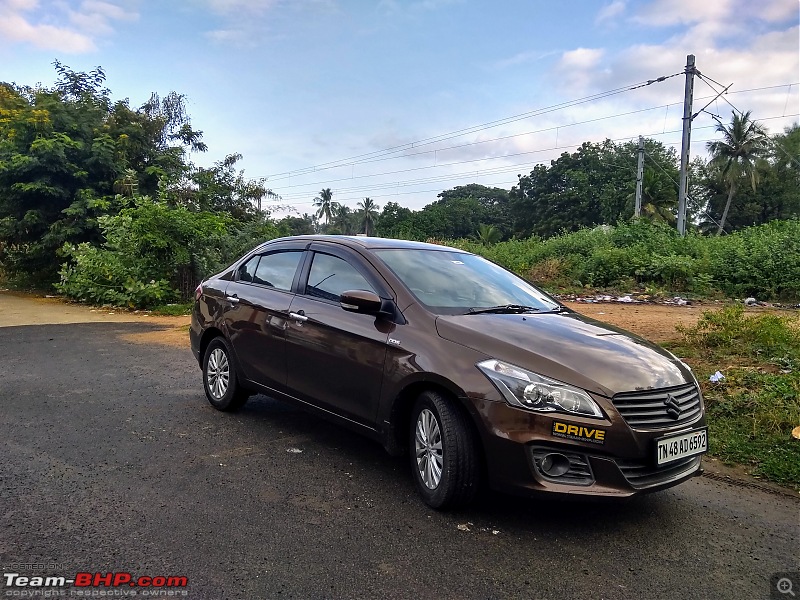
x=579, y=433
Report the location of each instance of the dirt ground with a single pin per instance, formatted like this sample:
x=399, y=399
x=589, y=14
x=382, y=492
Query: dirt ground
x=653, y=321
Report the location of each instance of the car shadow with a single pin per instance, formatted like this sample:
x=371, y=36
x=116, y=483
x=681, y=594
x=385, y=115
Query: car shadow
x=388, y=479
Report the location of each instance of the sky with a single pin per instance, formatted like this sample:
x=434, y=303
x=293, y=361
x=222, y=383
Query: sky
x=398, y=100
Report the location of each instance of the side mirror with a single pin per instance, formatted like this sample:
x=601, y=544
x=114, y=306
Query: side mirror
x=361, y=301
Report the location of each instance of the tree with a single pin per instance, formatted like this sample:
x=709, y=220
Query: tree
x=342, y=218
x=449, y=218
x=65, y=154
x=491, y=206
x=488, y=235
x=564, y=197
x=659, y=198
x=296, y=225
x=222, y=189
x=324, y=204
x=369, y=214
x=743, y=142
x=396, y=221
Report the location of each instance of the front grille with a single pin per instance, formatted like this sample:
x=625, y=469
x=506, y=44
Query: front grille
x=580, y=473
x=641, y=474
x=651, y=409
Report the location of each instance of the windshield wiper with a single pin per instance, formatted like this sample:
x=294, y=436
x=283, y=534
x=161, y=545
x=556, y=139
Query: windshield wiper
x=503, y=309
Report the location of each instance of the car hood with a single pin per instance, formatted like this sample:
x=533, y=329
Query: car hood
x=570, y=348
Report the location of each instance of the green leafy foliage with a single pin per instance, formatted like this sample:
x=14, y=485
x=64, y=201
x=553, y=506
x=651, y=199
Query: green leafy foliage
x=154, y=253
x=763, y=261
x=753, y=410
x=759, y=261
x=766, y=338
x=62, y=149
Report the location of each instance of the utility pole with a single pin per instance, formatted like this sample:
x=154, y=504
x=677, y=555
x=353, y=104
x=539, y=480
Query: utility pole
x=685, y=142
x=637, y=211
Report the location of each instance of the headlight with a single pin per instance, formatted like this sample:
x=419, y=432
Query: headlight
x=526, y=389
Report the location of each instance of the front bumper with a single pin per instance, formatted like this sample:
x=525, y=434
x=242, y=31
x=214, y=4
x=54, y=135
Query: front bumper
x=606, y=457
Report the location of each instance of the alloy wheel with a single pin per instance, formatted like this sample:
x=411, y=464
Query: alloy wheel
x=428, y=444
x=218, y=373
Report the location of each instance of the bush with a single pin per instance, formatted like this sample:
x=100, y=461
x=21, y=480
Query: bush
x=102, y=276
x=154, y=253
x=752, y=411
x=767, y=338
x=760, y=261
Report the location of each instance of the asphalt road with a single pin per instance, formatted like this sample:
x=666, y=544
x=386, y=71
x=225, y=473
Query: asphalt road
x=112, y=460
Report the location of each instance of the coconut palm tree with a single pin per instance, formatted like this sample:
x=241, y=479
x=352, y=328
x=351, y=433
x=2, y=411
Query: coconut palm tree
x=369, y=214
x=324, y=204
x=341, y=217
x=743, y=142
x=659, y=198
x=488, y=235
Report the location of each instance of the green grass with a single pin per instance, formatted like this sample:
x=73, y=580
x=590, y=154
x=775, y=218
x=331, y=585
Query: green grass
x=173, y=310
x=751, y=412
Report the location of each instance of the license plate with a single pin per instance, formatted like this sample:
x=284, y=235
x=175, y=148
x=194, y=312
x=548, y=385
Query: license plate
x=675, y=447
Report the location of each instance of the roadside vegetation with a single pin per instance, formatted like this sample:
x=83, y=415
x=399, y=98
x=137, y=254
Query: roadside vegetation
x=752, y=410
x=99, y=200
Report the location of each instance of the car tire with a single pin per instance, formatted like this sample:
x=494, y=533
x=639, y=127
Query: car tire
x=442, y=447
x=220, y=380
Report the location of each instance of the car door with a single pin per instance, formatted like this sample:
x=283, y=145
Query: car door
x=335, y=357
x=258, y=302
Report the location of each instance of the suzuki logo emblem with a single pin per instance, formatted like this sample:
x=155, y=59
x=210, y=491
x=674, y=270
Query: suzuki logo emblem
x=673, y=408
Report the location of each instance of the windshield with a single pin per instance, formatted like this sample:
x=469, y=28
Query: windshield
x=454, y=282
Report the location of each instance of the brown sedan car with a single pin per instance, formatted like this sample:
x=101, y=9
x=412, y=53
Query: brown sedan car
x=439, y=353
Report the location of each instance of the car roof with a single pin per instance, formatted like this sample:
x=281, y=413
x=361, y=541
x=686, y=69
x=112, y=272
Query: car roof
x=370, y=243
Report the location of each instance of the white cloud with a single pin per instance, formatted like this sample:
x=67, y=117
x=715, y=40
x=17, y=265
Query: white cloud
x=577, y=69
x=244, y=22
x=397, y=7
x=749, y=45
x=582, y=58
x=662, y=13
x=609, y=11
x=233, y=7
x=522, y=58
x=57, y=25
x=14, y=28
x=776, y=10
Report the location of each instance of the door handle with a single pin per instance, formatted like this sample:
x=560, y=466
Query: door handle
x=232, y=299
x=298, y=317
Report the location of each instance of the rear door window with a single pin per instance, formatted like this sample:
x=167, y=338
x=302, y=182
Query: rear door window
x=247, y=271
x=276, y=270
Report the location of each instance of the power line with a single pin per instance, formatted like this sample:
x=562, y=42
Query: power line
x=771, y=141
x=467, y=144
x=289, y=197
x=381, y=155
x=474, y=128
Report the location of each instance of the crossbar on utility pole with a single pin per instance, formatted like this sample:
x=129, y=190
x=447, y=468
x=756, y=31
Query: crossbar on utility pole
x=685, y=142
x=637, y=211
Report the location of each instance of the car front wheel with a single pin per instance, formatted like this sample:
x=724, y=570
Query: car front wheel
x=444, y=459
x=220, y=379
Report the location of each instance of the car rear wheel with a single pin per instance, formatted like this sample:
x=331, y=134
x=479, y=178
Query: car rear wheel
x=220, y=379
x=444, y=459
